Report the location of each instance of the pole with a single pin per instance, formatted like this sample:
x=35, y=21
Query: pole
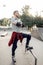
x=34, y=57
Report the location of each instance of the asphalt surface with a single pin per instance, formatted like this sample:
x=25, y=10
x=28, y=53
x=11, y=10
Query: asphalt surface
x=22, y=58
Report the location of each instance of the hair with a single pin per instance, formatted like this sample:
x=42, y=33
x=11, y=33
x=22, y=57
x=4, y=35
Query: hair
x=15, y=11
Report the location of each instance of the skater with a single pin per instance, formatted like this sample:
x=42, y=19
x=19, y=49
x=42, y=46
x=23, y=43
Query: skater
x=17, y=35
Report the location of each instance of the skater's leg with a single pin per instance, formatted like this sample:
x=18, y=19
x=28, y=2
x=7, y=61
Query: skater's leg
x=14, y=48
x=27, y=41
x=28, y=38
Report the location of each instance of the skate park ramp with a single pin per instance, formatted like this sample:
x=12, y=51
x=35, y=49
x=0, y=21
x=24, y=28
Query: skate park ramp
x=41, y=32
x=3, y=34
x=37, y=33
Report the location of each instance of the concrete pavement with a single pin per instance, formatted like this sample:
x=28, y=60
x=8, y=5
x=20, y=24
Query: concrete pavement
x=22, y=58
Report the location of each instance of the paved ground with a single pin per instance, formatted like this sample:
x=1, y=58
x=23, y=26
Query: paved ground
x=22, y=58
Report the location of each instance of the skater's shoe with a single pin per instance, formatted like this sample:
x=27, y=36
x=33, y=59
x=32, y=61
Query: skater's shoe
x=29, y=48
x=13, y=59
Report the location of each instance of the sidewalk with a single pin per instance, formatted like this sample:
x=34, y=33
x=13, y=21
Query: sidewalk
x=22, y=58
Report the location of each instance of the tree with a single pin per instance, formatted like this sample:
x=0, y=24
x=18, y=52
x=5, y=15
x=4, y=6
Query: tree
x=25, y=10
x=26, y=18
x=5, y=22
x=1, y=22
x=29, y=20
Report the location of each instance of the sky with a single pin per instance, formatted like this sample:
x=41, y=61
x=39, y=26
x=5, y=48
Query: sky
x=8, y=6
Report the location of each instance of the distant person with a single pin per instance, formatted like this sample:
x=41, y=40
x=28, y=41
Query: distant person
x=17, y=24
